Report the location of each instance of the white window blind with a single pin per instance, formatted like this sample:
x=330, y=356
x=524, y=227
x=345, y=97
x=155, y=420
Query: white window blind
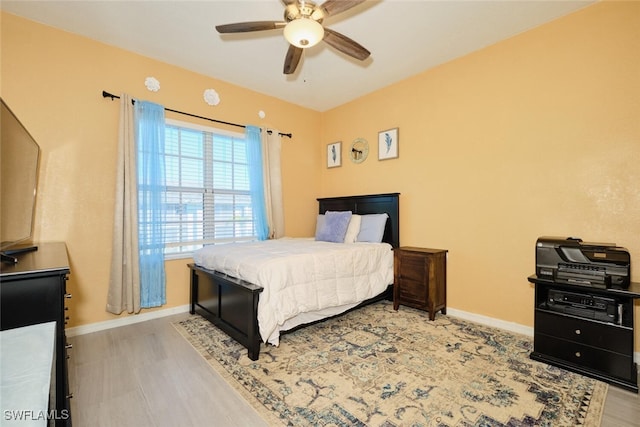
x=207, y=196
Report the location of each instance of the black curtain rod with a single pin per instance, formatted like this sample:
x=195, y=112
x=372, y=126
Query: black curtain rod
x=106, y=94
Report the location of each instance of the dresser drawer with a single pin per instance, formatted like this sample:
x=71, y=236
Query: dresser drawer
x=607, y=337
x=584, y=356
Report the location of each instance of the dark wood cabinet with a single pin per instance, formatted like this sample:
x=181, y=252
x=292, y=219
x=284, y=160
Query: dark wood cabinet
x=591, y=332
x=420, y=279
x=34, y=291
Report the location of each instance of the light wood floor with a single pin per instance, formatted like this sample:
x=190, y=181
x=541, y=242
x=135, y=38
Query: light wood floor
x=147, y=375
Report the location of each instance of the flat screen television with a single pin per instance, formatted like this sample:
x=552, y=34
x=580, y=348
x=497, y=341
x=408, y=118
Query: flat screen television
x=19, y=161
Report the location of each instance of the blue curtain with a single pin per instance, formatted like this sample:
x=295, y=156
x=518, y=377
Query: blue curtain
x=256, y=181
x=149, y=125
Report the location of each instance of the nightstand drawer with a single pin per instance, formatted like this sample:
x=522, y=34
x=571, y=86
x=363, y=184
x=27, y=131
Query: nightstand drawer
x=607, y=337
x=412, y=291
x=413, y=267
x=613, y=364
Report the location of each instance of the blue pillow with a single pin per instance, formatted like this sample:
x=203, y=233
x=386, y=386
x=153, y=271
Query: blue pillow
x=372, y=228
x=334, y=227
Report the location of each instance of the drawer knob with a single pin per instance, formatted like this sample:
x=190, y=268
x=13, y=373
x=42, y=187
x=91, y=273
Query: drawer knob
x=578, y=354
x=578, y=332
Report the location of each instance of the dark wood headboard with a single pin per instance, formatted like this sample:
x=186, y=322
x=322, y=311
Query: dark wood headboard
x=370, y=204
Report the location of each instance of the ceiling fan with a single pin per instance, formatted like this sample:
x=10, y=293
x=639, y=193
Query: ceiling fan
x=303, y=28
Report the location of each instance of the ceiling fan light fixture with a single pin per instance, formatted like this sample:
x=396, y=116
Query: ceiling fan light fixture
x=303, y=32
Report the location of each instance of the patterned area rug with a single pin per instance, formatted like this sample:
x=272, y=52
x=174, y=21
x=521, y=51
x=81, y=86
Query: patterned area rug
x=378, y=367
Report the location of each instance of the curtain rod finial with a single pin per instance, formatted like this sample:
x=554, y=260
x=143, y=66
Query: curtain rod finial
x=106, y=94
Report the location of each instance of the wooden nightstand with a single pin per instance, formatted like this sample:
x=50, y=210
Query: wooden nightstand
x=420, y=279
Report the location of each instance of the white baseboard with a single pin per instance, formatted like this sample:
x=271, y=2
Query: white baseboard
x=501, y=324
x=124, y=321
x=490, y=321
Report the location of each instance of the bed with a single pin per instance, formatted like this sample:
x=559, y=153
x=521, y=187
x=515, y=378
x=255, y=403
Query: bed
x=232, y=303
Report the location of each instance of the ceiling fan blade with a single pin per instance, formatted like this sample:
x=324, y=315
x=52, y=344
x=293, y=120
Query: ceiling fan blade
x=345, y=45
x=292, y=59
x=244, y=27
x=333, y=7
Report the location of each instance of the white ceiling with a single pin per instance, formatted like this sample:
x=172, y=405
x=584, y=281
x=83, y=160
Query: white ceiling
x=405, y=37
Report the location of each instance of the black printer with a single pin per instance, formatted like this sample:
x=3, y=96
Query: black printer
x=572, y=261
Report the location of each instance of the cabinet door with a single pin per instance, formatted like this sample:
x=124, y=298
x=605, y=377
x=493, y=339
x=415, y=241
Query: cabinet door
x=411, y=278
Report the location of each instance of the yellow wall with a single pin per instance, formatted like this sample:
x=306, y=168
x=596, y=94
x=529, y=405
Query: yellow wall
x=53, y=82
x=536, y=135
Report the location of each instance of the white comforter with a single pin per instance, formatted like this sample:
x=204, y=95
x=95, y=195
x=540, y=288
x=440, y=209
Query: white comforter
x=302, y=275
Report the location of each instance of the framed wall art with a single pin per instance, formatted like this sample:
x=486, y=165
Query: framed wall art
x=388, y=144
x=334, y=154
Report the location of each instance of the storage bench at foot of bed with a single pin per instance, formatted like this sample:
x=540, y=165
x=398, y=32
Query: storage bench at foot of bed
x=229, y=303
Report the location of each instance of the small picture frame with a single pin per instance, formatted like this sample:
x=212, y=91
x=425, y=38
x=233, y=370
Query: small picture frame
x=388, y=144
x=334, y=154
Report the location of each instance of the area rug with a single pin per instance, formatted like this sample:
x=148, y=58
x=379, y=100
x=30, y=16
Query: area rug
x=378, y=367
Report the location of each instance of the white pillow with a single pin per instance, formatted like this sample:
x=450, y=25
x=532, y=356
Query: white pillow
x=319, y=223
x=372, y=228
x=353, y=229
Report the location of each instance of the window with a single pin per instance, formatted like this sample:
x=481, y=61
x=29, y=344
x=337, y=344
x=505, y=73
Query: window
x=207, y=198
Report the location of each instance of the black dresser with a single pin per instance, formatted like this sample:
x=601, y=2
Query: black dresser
x=586, y=330
x=34, y=291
